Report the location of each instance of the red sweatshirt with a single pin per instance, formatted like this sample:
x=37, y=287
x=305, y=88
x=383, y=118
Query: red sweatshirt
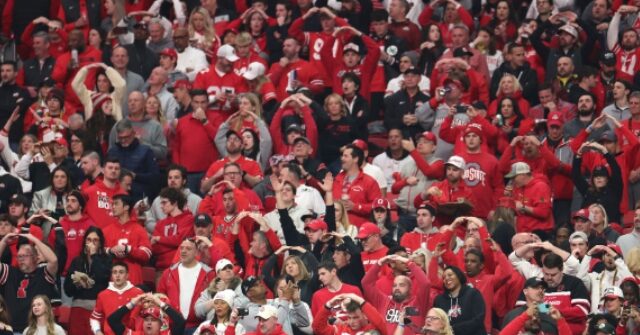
x=280, y=147
x=193, y=144
x=362, y=191
x=214, y=81
x=306, y=73
x=388, y=308
x=483, y=176
x=109, y=300
x=516, y=326
x=172, y=231
x=99, y=199
x=336, y=68
x=132, y=235
x=321, y=296
x=455, y=133
x=416, y=239
x=426, y=17
x=74, y=237
x=370, y=258
x=537, y=196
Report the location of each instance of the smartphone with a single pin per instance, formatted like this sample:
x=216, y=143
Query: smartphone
x=243, y=312
x=461, y=109
x=411, y=311
x=543, y=308
x=119, y=30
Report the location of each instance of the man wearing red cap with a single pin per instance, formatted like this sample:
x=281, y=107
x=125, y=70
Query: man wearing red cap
x=481, y=174
x=356, y=189
x=155, y=320
x=370, y=237
x=614, y=273
x=416, y=175
x=168, y=59
x=532, y=196
x=560, y=178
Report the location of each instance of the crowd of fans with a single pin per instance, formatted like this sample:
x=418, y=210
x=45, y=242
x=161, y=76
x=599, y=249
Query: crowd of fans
x=320, y=167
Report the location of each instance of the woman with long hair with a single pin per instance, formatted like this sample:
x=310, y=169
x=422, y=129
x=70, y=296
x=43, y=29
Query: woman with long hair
x=298, y=268
x=223, y=305
x=605, y=187
x=463, y=305
x=202, y=32
x=381, y=215
x=255, y=22
x=508, y=119
x=288, y=292
x=41, y=320
x=343, y=226
x=503, y=23
x=88, y=275
x=5, y=319
x=248, y=121
x=115, y=12
x=336, y=128
x=600, y=223
x=54, y=197
x=109, y=87
x=509, y=87
x=485, y=42
x=78, y=145
x=431, y=49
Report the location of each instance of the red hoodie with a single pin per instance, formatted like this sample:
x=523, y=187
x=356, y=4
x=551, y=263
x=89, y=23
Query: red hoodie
x=483, y=177
x=321, y=324
x=280, y=146
x=74, y=236
x=132, y=235
x=172, y=230
x=536, y=195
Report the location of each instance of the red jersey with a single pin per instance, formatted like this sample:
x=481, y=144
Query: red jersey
x=74, y=237
x=214, y=81
x=171, y=230
x=304, y=72
x=99, y=199
x=627, y=63
x=108, y=301
x=362, y=191
x=482, y=176
x=193, y=144
x=336, y=68
x=133, y=236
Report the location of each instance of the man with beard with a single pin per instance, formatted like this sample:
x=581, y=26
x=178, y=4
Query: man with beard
x=614, y=273
x=424, y=236
x=407, y=293
x=586, y=114
x=560, y=83
x=306, y=74
x=534, y=295
x=251, y=173
x=627, y=52
x=632, y=239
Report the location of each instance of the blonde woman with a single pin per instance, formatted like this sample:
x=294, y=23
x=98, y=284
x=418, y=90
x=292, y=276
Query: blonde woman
x=248, y=122
x=202, y=32
x=632, y=259
x=436, y=323
x=40, y=320
x=295, y=267
x=509, y=87
x=343, y=226
x=336, y=128
x=600, y=223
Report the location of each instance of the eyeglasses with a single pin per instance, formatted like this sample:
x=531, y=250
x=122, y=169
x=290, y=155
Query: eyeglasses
x=432, y=318
x=25, y=256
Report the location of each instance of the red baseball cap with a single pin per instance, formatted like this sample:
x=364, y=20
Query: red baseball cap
x=554, y=119
x=182, y=83
x=61, y=141
x=152, y=312
x=429, y=136
x=367, y=229
x=360, y=144
x=316, y=224
x=475, y=128
x=381, y=203
x=169, y=52
x=615, y=248
x=581, y=214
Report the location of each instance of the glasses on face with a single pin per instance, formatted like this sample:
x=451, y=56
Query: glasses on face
x=25, y=256
x=432, y=318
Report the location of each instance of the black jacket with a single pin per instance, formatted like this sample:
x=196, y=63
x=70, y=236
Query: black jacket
x=72, y=11
x=526, y=76
x=352, y=273
x=399, y=104
x=307, y=287
x=9, y=95
x=610, y=197
x=394, y=47
x=141, y=59
x=470, y=315
x=99, y=271
x=34, y=74
x=334, y=134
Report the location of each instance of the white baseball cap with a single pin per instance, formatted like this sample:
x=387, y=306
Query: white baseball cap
x=456, y=161
x=267, y=312
x=226, y=296
x=255, y=70
x=222, y=263
x=518, y=168
x=227, y=52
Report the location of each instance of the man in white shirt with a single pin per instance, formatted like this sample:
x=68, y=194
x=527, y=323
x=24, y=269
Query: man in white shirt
x=190, y=60
x=373, y=171
x=391, y=159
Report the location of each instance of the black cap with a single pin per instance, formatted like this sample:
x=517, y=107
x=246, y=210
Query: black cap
x=232, y=132
x=311, y=215
x=461, y=52
x=606, y=328
x=413, y=70
x=428, y=206
x=342, y=247
x=301, y=139
x=202, y=220
x=294, y=127
x=535, y=282
x=47, y=82
x=608, y=58
x=78, y=195
x=600, y=171
x=248, y=283
x=140, y=24
x=19, y=199
x=479, y=105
